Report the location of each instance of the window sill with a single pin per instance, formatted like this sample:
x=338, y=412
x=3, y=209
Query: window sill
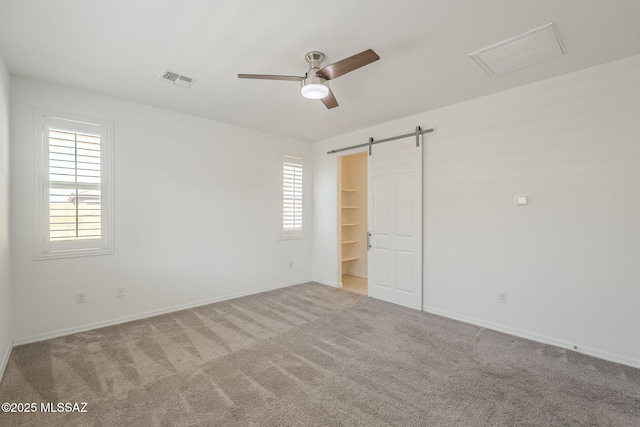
x=293, y=237
x=73, y=253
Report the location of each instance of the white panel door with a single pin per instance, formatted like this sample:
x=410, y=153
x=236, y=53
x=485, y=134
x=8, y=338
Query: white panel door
x=395, y=222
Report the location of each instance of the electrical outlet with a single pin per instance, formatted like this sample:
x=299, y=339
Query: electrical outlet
x=81, y=297
x=120, y=291
x=502, y=297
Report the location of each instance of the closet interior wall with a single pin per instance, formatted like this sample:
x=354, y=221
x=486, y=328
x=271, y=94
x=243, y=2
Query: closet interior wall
x=353, y=214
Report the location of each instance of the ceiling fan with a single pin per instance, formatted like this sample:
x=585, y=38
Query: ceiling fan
x=315, y=83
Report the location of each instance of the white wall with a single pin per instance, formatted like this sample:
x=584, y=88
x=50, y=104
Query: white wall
x=197, y=212
x=5, y=286
x=569, y=262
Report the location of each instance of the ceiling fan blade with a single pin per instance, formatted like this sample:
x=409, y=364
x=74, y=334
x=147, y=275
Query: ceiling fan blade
x=348, y=64
x=270, y=77
x=330, y=101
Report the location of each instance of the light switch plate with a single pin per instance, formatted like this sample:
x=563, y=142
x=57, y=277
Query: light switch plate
x=522, y=200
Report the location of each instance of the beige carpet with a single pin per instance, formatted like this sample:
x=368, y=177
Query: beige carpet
x=314, y=355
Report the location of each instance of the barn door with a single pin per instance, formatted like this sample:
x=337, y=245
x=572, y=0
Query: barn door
x=395, y=223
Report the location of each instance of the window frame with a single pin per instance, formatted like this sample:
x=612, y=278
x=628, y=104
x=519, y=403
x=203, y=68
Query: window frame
x=293, y=234
x=44, y=248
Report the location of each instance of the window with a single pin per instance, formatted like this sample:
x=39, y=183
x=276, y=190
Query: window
x=74, y=194
x=293, y=225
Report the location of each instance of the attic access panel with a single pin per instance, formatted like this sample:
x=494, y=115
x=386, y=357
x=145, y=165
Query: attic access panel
x=520, y=51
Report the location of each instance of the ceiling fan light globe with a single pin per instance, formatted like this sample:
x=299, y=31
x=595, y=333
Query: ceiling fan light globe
x=314, y=91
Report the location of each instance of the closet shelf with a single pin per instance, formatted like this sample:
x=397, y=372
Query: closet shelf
x=350, y=241
x=351, y=207
x=349, y=225
x=350, y=258
x=351, y=189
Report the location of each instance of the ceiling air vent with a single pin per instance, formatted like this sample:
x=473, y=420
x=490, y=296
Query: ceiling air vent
x=521, y=51
x=176, y=79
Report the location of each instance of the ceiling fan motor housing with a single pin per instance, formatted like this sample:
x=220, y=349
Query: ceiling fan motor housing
x=314, y=86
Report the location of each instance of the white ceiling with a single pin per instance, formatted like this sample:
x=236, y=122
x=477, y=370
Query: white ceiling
x=119, y=47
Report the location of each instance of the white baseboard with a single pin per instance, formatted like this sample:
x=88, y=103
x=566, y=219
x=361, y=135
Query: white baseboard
x=5, y=360
x=119, y=320
x=601, y=354
x=327, y=283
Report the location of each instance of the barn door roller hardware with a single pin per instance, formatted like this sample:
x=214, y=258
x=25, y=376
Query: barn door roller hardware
x=418, y=132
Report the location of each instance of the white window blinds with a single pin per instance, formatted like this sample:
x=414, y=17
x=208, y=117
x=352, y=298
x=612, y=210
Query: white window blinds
x=74, y=184
x=74, y=212
x=292, y=196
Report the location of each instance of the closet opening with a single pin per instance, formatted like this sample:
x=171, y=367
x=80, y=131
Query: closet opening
x=352, y=218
